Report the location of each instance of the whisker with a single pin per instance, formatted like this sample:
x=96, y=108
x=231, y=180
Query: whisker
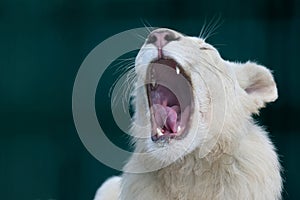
x=122, y=69
x=126, y=88
x=208, y=30
x=219, y=44
x=125, y=73
x=151, y=28
x=143, y=38
x=146, y=26
x=202, y=29
x=212, y=66
x=121, y=65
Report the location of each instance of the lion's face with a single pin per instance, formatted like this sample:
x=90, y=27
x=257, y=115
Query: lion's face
x=188, y=97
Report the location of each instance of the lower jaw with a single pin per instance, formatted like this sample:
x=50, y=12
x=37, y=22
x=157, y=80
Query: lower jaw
x=168, y=138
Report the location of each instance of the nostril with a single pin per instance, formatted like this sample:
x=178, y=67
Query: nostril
x=161, y=38
x=170, y=37
x=152, y=38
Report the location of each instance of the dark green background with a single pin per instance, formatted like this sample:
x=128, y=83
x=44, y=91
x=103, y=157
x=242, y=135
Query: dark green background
x=42, y=45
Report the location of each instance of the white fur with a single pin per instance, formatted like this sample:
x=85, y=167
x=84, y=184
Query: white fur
x=225, y=155
x=109, y=190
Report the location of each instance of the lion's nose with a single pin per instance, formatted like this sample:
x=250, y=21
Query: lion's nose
x=161, y=37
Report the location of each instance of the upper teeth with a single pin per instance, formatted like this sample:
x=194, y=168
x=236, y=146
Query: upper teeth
x=177, y=70
x=153, y=84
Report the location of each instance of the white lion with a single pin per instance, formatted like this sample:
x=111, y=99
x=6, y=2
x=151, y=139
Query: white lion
x=194, y=134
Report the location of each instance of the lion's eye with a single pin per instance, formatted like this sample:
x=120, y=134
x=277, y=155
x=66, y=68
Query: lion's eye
x=205, y=48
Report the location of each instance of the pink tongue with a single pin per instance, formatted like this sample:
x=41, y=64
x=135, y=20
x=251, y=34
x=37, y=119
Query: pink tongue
x=166, y=116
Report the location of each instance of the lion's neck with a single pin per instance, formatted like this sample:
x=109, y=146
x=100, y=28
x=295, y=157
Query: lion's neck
x=196, y=173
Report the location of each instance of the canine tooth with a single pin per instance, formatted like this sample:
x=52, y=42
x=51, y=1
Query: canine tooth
x=177, y=70
x=153, y=84
x=158, y=131
x=178, y=129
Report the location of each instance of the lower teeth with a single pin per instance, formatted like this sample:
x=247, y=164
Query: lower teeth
x=159, y=132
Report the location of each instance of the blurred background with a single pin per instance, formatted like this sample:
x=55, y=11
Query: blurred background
x=43, y=43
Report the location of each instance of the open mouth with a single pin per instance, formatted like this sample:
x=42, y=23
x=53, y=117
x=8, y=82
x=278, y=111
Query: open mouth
x=170, y=100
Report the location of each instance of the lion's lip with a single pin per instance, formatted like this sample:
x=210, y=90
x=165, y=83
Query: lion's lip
x=169, y=94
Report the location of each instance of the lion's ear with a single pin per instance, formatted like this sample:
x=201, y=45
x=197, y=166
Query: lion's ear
x=257, y=81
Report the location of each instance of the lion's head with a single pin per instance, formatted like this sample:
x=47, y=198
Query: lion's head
x=187, y=97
